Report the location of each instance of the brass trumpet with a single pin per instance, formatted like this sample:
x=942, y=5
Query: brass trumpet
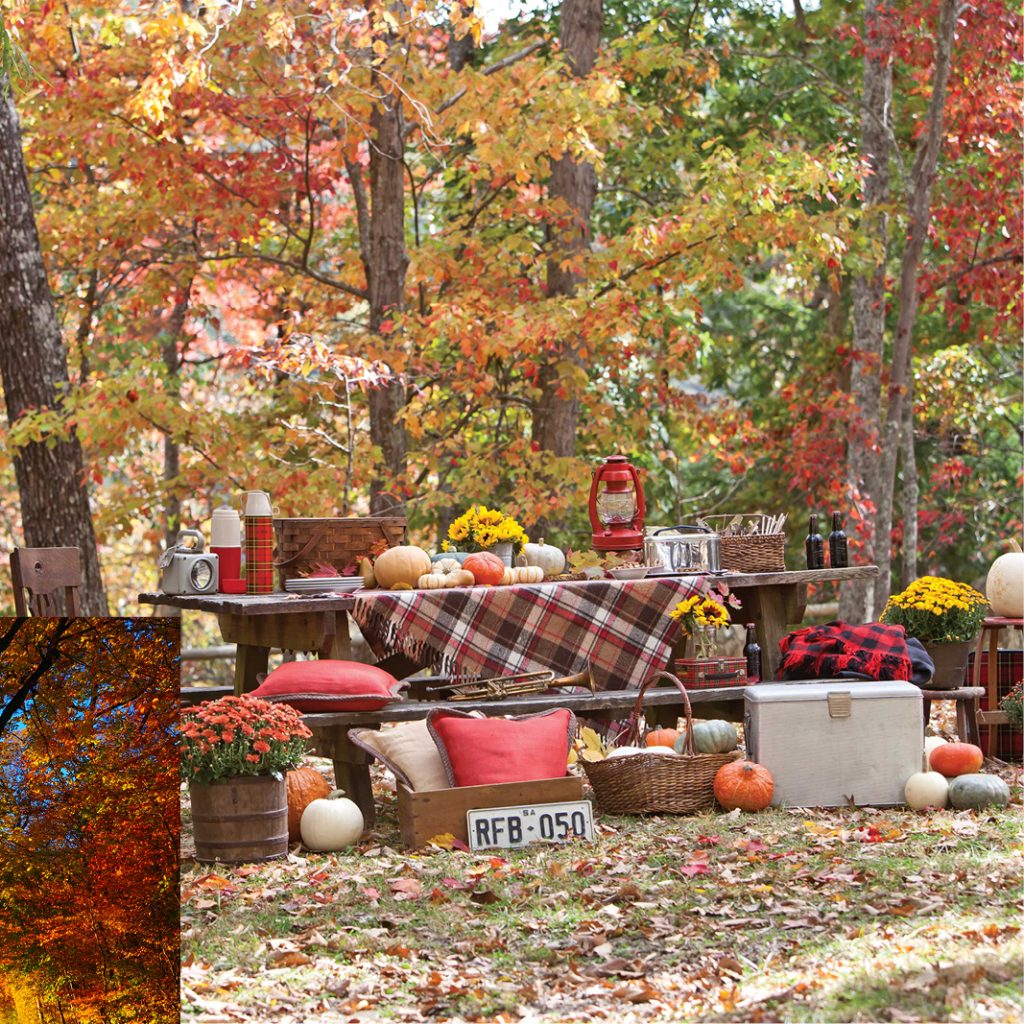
x=498, y=687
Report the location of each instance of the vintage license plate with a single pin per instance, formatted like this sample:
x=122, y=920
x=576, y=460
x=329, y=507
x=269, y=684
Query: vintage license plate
x=511, y=827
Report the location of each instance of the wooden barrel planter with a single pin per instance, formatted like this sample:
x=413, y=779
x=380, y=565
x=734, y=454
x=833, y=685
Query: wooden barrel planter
x=240, y=820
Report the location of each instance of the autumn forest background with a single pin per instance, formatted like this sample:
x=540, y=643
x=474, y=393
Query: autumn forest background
x=89, y=821
x=362, y=254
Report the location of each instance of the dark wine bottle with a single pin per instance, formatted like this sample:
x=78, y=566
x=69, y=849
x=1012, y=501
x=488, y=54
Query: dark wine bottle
x=752, y=652
x=838, y=551
x=815, y=545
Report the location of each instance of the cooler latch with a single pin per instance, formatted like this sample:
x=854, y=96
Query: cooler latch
x=839, y=705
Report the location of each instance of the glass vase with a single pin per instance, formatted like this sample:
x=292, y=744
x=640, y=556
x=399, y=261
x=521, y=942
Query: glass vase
x=704, y=642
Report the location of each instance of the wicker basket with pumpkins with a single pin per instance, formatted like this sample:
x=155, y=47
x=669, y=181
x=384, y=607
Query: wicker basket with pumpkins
x=671, y=771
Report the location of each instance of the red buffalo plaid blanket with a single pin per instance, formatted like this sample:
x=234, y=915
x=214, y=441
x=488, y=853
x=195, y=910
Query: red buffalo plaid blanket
x=872, y=650
x=619, y=628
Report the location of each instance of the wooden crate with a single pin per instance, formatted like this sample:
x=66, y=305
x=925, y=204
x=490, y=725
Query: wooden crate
x=437, y=811
x=711, y=673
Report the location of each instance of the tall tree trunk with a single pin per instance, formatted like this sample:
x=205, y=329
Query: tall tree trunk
x=919, y=195
x=556, y=411
x=386, y=264
x=34, y=372
x=172, y=451
x=856, y=599
x=911, y=493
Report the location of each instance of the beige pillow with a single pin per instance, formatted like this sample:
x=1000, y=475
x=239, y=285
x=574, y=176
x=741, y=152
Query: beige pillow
x=408, y=750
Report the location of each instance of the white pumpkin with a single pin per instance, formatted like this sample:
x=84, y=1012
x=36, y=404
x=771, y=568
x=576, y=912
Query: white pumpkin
x=930, y=743
x=331, y=823
x=625, y=751
x=656, y=749
x=926, y=789
x=547, y=556
x=523, y=574
x=1004, y=587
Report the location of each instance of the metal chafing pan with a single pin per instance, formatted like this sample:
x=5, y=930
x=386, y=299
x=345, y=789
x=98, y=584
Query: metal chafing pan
x=682, y=548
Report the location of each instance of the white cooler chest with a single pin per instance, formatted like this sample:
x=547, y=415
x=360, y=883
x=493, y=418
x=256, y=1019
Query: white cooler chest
x=828, y=744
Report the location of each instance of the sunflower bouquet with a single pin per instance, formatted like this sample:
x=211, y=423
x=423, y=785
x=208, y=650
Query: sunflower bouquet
x=937, y=610
x=480, y=528
x=701, y=614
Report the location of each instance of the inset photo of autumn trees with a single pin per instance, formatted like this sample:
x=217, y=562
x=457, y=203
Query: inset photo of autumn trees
x=89, y=824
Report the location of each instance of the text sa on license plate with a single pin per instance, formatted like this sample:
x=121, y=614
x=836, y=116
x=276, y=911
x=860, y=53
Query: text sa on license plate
x=512, y=827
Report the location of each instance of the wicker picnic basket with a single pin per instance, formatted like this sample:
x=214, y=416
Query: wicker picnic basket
x=301, y=543
x=748, y=552
x=652, y=783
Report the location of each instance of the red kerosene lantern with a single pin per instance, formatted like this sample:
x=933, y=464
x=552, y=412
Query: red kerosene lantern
x=617, y=506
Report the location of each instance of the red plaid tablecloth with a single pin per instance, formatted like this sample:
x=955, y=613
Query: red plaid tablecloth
x=619, y=628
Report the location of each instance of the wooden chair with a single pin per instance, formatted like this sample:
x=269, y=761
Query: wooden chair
x=51, y=578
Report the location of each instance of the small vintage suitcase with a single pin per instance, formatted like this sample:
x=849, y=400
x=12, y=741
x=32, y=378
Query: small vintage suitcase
x=835, y=743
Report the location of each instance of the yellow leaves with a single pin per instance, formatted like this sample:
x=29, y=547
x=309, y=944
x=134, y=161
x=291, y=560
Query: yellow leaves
x=279, y=30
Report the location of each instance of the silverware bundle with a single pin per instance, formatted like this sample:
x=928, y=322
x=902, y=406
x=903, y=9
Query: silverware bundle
x=754, y=524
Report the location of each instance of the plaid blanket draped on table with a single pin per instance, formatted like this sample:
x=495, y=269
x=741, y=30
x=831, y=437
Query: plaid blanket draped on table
x=621, y=629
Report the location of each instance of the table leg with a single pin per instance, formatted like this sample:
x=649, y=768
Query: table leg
x=250, y=662
x=772, y=609
x=351, y=768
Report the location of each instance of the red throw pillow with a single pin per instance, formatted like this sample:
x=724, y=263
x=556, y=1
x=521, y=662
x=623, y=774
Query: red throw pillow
x=481, y=751
x=326, y=685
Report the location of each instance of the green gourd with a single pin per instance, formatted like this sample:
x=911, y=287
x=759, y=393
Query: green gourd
x=977, y=791
x=714, y=737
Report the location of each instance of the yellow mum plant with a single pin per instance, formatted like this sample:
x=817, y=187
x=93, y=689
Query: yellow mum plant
x=937, y=610
x=480, y=528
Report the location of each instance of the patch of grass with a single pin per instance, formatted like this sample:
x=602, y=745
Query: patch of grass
x=841, y=915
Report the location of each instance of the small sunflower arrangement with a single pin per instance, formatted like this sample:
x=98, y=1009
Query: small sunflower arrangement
x=480, y=528
x=937, y=610
x=702, y=613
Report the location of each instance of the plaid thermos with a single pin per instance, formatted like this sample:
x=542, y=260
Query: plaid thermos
x=259, y=544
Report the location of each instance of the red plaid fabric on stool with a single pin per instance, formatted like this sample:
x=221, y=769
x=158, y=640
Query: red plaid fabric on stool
x=259, y=554
x=1002, y=741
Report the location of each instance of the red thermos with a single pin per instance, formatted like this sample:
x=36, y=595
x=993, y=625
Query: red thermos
x=259, y=543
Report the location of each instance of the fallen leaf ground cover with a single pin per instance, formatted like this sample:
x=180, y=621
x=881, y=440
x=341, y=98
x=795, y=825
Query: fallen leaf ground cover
x=789, y=915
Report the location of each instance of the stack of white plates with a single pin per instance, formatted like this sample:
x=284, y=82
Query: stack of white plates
x=324, y=585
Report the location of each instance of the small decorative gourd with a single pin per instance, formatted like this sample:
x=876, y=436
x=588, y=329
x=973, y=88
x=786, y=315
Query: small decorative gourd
x=744, y=784
x=523, y=574
x=660, y=750
x=403, y=564
x=444, y=573
x=926, y=789
x=662, y=738
x=953, y=759
x=458, y=556
x=304, y=786
x=714, y=737
x=624, y=751
x=973, y=792
x=331, y=823
x=550, y=559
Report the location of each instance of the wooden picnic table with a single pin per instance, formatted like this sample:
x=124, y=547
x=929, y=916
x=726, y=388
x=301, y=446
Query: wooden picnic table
x=773, y=601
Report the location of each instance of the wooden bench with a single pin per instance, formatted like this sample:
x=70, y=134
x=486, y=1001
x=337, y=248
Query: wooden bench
x=664, y=705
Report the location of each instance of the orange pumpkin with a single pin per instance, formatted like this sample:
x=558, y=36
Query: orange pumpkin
x=304, y=786
x=662, y=738
x=745, y=785
x=486, y=568
x=953, y=759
